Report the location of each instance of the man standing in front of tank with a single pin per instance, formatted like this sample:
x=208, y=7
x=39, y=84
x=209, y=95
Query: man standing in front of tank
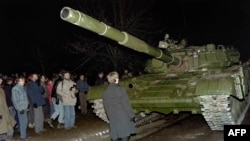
x=118, y=109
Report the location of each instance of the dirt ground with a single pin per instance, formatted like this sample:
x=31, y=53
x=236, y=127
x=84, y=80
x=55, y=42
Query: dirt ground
x=91, y=128
x=193, y=128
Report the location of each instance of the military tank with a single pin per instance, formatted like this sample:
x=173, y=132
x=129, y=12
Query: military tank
x=205, y=79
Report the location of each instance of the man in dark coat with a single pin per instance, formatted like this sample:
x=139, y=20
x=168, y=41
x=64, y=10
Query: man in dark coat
x=99, y=80
x=35, y=94
x=118, y=109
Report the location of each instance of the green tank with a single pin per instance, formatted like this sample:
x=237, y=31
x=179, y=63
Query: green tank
x=205, y=79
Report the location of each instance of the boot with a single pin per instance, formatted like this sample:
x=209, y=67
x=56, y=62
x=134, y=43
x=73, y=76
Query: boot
x=50, y=123
x=59, y=125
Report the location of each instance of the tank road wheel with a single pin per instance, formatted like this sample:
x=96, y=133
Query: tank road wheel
x=220, y=110
x=140, y=118
x=99, y=109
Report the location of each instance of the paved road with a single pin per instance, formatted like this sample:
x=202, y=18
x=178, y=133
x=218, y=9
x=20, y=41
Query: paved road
x=193, y=128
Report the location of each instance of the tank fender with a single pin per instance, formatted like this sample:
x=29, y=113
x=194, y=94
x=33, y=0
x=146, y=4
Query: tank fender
x=215, y=86
x=95, y=92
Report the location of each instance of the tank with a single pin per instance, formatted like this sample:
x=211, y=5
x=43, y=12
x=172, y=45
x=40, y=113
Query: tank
x=206, y=79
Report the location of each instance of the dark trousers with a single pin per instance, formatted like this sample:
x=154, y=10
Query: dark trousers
x=121, y=139
x=83, y=102
x=46, y=109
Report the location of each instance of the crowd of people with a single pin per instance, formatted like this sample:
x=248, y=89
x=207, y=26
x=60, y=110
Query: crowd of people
x=30, y=101
x=34, y=100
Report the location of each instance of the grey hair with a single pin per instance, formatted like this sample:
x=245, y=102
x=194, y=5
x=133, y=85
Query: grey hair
x=112, y=76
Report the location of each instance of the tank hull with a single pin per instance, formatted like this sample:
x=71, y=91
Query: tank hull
x=223, y=94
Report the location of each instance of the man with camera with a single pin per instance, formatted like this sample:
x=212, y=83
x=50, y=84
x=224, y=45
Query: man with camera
x=67, y=90
x=83, y=87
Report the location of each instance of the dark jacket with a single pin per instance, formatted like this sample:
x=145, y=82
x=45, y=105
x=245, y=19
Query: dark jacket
x=53, y=93
x=35, y=93
x=119, y=111
x=82, y=85
x=99, y=81
x=7, y=90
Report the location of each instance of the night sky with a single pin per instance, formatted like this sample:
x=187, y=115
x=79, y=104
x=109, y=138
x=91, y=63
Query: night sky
x=29, y=26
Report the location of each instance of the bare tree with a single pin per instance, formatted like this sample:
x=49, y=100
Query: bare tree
x=42, y=61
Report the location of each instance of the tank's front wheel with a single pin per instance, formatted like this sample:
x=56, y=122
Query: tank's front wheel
x=140, y=118
x=99, y=109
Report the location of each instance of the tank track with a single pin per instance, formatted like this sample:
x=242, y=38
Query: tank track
x=220, y=110
x=140, y=118
x=99, y=109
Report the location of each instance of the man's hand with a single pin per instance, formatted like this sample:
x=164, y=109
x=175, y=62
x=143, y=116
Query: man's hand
x=35, y=105
x=73, y=89
x=57, y=101
x=22, y=112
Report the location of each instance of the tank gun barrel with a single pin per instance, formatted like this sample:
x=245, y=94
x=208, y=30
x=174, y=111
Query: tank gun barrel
x=82, y=20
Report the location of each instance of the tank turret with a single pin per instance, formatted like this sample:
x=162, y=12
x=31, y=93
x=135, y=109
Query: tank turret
x=204, y=79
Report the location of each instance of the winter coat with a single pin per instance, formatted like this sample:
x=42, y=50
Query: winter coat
x=7, y=90
x=35, y=93
x=19, y=98
x=82, y=86
x=7, y=122
x=119, y=111
x=99, y=81
x=46, y=91
x=63, y=89
x=54, y=93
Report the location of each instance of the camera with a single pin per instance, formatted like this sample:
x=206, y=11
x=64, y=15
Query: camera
x=74, y=86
